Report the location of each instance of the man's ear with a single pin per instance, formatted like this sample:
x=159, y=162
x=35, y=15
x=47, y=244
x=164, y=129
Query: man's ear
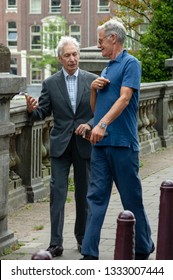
x=59, y=58
x=114, y=38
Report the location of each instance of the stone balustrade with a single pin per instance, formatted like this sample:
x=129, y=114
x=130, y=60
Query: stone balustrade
x=155, y=116
x=29, y=169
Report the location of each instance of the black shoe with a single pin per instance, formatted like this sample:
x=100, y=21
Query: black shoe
x=79, y=247
x=87, y=257
x=56, y=251
x=139, y=256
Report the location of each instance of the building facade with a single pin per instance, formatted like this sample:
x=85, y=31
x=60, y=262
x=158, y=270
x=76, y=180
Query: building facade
x=22, y=23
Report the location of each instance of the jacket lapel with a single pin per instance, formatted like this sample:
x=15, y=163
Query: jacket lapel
x=62, y=88
x=81, y=86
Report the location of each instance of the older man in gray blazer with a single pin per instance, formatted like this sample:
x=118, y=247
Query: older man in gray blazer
x=66, y=94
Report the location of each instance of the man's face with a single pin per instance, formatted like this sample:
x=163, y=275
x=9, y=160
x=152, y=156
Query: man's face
x=69, y=58
x=105, y=43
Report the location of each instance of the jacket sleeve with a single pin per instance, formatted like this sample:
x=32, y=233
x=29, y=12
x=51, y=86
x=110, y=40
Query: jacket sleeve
x=44, y=108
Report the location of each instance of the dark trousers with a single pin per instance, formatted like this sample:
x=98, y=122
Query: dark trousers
x=121, y=165
x=60, y=168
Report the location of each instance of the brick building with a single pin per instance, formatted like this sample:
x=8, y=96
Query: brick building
x=22, y=23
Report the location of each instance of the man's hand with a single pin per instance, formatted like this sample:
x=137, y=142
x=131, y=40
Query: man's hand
x=31, y=103
x=99, y=83
x=81, y=129
x=97, y=134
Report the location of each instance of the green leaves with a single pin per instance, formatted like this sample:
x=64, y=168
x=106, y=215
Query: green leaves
x=157, y=43
x=150, y=25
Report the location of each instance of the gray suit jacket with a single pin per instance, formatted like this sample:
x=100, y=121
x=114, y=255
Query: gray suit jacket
x=54, y=99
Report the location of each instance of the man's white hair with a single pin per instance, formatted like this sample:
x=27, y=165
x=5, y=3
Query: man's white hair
x=114, y=26
x=66, y=40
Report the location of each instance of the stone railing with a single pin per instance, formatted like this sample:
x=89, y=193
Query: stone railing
x=29, y=169
x=155, y=123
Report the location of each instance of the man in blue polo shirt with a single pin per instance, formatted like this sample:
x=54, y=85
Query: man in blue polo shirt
x=114, y=101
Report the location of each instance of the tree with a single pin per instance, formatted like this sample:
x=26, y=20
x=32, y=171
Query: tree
x=53, y=28
x=157, y=42
x=150, y=24
x=136, y=15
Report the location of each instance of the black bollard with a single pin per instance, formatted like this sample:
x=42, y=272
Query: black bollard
x=125, y=236
x=41, y=255
x=165, y=224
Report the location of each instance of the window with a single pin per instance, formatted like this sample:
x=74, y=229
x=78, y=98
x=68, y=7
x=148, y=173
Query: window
x=13, y=66
x=53, y=28
x=12, y=34
x=55, y=6
x=12, y=4
x=35, y=37
x=103, y=6
x=74, y=6
x=51, y=37
x=75, y=31
x=36, y=74
x=35, y=6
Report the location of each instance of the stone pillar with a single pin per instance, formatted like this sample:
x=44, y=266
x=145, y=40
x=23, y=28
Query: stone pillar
x=91, y=59
x=9, y=86
x=4, y=59
x=162, y=113
x=169, y=64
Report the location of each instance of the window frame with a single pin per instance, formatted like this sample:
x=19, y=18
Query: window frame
x=75, y=34
x=12, y=30
x=74, y=8
x=37, y=71
x=11, y=7
x=51, y=10
x=34, y=34
x=103, y=8
x=53, y=35
x=35, y=11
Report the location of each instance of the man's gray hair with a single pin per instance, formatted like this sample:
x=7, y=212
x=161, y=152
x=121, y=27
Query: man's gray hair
x=66, y=40
x=114, y=26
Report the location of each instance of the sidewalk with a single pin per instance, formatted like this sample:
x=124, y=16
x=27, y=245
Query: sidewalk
x=26, y=221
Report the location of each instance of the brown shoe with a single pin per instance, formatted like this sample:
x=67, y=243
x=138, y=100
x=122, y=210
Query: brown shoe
x=56, y=251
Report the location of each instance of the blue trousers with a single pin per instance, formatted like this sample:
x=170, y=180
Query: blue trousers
x=121, y=165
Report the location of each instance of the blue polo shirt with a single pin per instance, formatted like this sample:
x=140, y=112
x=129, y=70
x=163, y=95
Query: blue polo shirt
x=124, y=70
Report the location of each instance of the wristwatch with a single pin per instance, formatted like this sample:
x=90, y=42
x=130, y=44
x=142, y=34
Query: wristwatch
x=102, y=125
